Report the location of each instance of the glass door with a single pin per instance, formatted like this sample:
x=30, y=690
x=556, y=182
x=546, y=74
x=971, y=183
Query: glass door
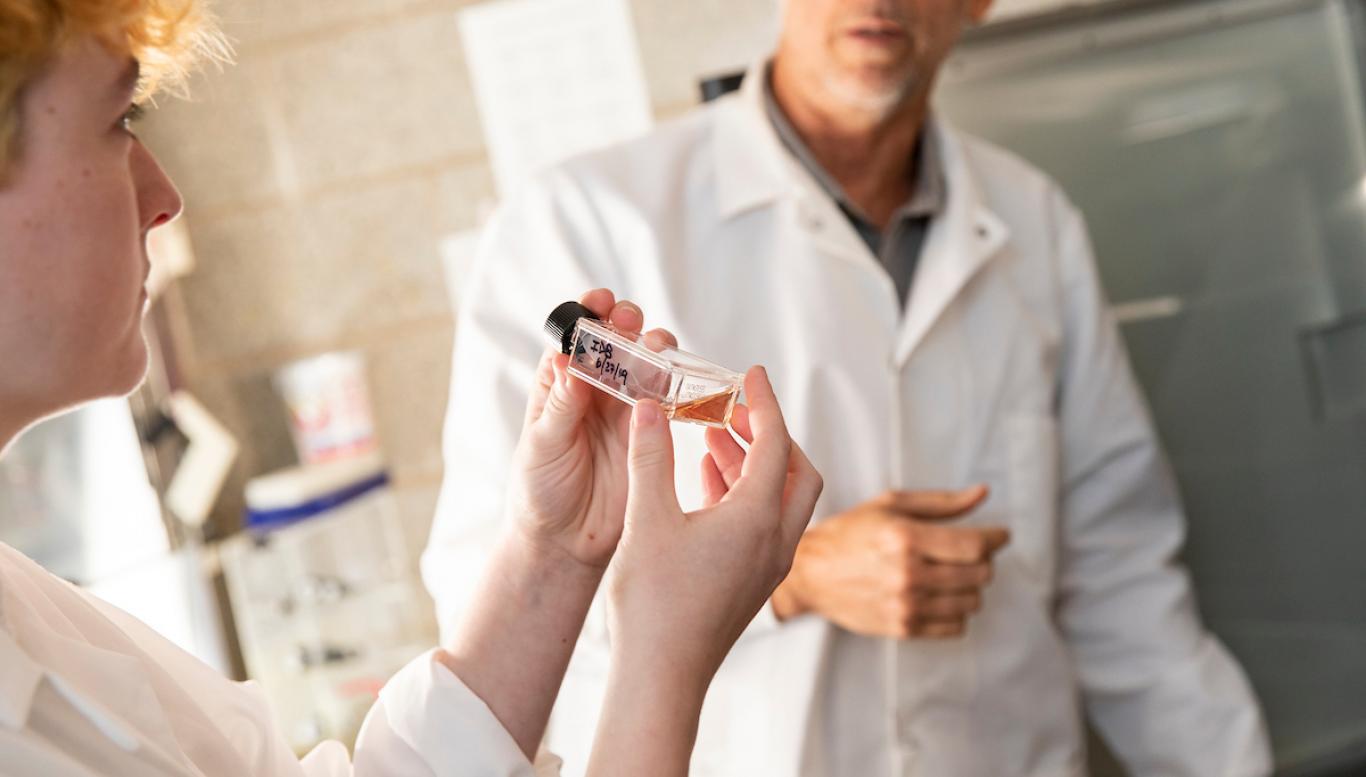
x=1217, y=150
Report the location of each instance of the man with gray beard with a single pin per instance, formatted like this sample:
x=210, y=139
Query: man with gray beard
x=995, y=555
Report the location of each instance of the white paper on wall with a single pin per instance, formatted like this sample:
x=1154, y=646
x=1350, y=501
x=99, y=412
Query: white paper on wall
x=552, y=78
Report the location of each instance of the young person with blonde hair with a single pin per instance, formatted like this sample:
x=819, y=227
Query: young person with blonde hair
x=86, y=689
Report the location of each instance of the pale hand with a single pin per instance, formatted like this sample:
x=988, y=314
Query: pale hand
x=685, y=585
x=568, y=488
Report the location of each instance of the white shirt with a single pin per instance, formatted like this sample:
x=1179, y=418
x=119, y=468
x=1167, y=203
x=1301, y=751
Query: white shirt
x=86, y=689
x=1002, y=367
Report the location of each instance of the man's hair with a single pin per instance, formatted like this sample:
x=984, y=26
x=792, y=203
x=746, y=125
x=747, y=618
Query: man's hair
x=166, y=37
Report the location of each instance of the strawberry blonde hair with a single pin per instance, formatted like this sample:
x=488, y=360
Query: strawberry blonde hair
x=166, y=37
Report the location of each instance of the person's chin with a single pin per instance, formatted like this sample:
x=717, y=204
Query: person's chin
x=870, y=91
x=869, y=81
x=131, y=367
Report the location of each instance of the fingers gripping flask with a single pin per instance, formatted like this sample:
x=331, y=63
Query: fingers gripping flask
x=633, y=367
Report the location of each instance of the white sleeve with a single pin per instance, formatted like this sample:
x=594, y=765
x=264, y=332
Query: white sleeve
x=543, y=247
x=427, y=722
x=1163, y=692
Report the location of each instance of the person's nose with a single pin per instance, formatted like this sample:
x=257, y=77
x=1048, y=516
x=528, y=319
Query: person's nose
x=158, y=199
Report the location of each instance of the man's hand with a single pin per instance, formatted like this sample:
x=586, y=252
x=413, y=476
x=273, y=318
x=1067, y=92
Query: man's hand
x=890, y=568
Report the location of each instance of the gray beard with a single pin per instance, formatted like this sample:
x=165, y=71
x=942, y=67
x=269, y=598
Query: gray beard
x=882, y=105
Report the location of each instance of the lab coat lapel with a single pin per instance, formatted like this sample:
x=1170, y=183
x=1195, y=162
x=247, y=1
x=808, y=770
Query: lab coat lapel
x=750, y=170
x=754, y=170
x=97, y=671
x=19, y=678
x=959, y=244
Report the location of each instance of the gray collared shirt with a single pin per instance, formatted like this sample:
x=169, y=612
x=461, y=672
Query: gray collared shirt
x=898, y=249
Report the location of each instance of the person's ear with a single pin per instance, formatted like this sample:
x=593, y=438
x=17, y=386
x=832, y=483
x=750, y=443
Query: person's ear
x=978, y=10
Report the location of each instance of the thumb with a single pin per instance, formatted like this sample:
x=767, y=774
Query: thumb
x=995, y=538
x=937, y=505
x=651, y=460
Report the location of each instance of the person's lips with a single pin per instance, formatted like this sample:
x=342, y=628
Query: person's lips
x=877, y=31
x=143, y=296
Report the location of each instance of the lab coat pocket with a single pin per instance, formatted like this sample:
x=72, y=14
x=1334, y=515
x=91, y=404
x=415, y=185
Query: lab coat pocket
x=1034, y=495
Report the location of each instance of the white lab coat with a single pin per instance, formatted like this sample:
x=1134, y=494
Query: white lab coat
x=1005, y=369
x=86, y=689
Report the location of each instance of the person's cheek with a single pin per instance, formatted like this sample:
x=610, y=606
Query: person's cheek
x=113, y=267
x=112, y=250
